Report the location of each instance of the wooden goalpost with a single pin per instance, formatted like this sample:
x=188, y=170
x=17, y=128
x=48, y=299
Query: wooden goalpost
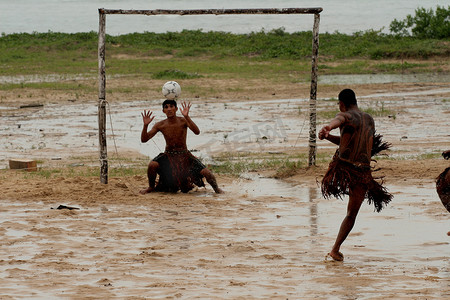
x=102, y=70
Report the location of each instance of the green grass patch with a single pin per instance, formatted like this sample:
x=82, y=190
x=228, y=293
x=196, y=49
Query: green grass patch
x=198, y=52
x=377, y=109
x=432, y=155
x=127, y=171
x=327, y=114
x=175, y=74
x=282, y=165
x=44, y=173
x=349, y=67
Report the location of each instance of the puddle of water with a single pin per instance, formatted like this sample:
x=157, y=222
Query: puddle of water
x=408, y=94
x=259, y=126
x=17, y=233
x=256, y=186
x=404, y=226
x=45, y=128
x=37, y=78
x=382, y=78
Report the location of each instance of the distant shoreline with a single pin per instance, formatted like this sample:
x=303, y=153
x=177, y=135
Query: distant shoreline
x=82, y=16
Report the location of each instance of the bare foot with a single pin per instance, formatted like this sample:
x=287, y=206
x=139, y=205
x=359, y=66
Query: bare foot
x=218, y=190
x=336, y=256
x=146, y=191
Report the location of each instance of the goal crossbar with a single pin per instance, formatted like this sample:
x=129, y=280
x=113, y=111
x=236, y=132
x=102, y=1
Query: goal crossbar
x=248, y=11
x=183, y=12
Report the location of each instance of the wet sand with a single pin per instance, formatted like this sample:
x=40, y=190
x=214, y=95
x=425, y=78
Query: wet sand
x=264, y=238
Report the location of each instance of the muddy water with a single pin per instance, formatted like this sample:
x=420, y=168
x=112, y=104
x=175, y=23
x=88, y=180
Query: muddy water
x=261, y=126
x=409, y=226
x=266, y=239
x=382, y=78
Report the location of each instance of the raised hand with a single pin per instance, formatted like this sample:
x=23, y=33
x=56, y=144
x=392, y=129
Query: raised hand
x=147, y=117
x=185, y=108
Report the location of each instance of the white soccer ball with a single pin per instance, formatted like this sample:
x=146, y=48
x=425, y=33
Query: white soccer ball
x=171, y=90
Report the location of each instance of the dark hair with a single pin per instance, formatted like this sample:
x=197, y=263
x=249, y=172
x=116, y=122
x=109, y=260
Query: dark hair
x=173, y=102
x=348, y=97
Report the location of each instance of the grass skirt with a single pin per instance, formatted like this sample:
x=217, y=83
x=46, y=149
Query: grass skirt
x=342, y=176
x=178, y=170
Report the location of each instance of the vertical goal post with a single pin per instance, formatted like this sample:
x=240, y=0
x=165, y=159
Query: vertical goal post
x=250, y=11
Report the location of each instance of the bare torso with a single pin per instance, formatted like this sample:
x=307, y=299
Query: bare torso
x=356, y=137
x=174, y=131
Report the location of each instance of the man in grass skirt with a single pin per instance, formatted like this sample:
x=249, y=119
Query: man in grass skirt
x=177, y=168
x=350, y=173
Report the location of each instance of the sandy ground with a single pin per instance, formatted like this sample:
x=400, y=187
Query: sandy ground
x=263, y=239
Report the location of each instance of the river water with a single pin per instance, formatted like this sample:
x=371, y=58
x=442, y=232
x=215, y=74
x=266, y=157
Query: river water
x=71, y=16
